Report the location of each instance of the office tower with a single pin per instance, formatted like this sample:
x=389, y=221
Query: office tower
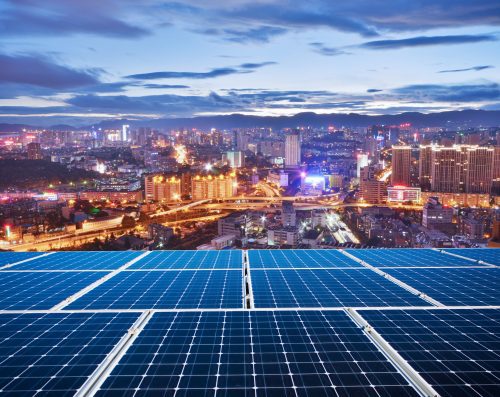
x=240, y=140
x=125, y=133
x=292, y=150
x=425, y=167
x=401, y=166
x=34, y=151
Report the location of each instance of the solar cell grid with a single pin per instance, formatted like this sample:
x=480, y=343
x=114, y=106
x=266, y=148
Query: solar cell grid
x=454, y=287
x=53, y=354
x=254, y=354
x=328, y=288
x=230, y=259
x=488, y=255
x=299, y=259
x=408, y=258
x=456, y=351
x=7, y=258
x=91, y=260
x=166, y=290
x=41, y=290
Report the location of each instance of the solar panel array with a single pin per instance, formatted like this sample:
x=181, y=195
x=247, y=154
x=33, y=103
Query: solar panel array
x=255, y=323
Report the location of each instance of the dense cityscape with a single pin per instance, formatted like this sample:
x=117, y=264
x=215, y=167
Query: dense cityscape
x=306, y=187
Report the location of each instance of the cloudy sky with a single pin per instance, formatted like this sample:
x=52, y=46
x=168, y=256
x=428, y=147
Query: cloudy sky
x=79, y=61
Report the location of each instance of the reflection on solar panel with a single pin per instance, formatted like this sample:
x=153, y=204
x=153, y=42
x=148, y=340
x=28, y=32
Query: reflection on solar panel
x=461, y=286
x=7, y=258
x=254, y=354
x=191, y=260
x=166, y=290
x=284, y=259
x=80, y=261
x=328, y=288
x=41, y=290
x=490, y=256
x=456, y=351
x=408, y=258
x=43, y=354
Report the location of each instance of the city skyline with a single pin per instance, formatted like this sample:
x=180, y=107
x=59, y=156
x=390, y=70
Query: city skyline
x=79, y=63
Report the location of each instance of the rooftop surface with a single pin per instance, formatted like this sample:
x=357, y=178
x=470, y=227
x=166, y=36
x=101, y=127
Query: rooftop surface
x=389, y=322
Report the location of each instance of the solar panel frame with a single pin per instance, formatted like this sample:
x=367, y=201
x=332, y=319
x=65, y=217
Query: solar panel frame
x=454, y=287
x=154, y=289
x=291, y=259
x=487, y=255
x=54, y=353
x=254, y=353
x=190, y=260
x=454, y=350
x=12, y=257
x=279, y=288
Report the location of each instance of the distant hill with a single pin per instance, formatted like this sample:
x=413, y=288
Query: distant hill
x=452, y=119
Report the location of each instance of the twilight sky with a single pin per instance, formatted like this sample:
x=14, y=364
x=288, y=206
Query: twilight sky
x=79, y=61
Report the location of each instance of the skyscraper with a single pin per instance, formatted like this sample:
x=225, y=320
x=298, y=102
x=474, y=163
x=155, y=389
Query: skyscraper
x=425, y=167
x=292, y=150
x=125, y=133
x=401, y=165
x=34, y=151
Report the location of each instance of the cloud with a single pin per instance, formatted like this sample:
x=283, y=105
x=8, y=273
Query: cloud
x=260, y=34
x=61, y=17
x=372, y=90
x=449, y=93
x=322, y=49
x=217, y=72
x=473, y=68
x=421, y=41
x=39, y=71
x=164, y=86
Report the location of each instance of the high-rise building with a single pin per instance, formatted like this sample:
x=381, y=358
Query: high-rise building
x=401, y=166
x=459, y=168
x=213, y=187
x=159, y=188
x=362, y=162
x=288, y=214
x=425, y=167
x=371, y=190
x=125, y=133
x=34, y=151
x=292, y=150
x=236, y=159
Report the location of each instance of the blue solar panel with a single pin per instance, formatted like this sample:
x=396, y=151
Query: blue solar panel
x=456, y=351
x=6, y=258
x=488, y=255
x=408, y=258
x=41, y=290
x=284, y=259
x=54, y=354
x=459, y=286
x=254, y=354
x=230, y=259
x=327, y=288
x=92, y=260
x=166, y=290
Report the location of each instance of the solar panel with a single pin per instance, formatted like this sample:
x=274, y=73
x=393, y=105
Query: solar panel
x=53, y=354
x=254, y=354
x=286, y=259
x=456, y=351
x=458, y=286
x=408, y=258
x=41, y=290
x=166, y=290
x=78, y=260
x=327, y=288
x=488, y=255
x=230, y=259
x=6, y=258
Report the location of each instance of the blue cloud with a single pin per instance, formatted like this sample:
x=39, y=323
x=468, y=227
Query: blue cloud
x=426, y=41
x=471, y=69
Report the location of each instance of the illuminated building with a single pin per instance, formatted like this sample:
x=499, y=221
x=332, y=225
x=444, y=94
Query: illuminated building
x=435, y=214
x=288, y=214
x=213, y=187
x=459, y=168
x=236, y=159
x=34, y=151
x=401, y=165
x=401, y=194
x=125, y=133
x=292, y=150
x=159, y=188
x=459, y=199
x=313, y=185
x=371, y=190
x=362, y=162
